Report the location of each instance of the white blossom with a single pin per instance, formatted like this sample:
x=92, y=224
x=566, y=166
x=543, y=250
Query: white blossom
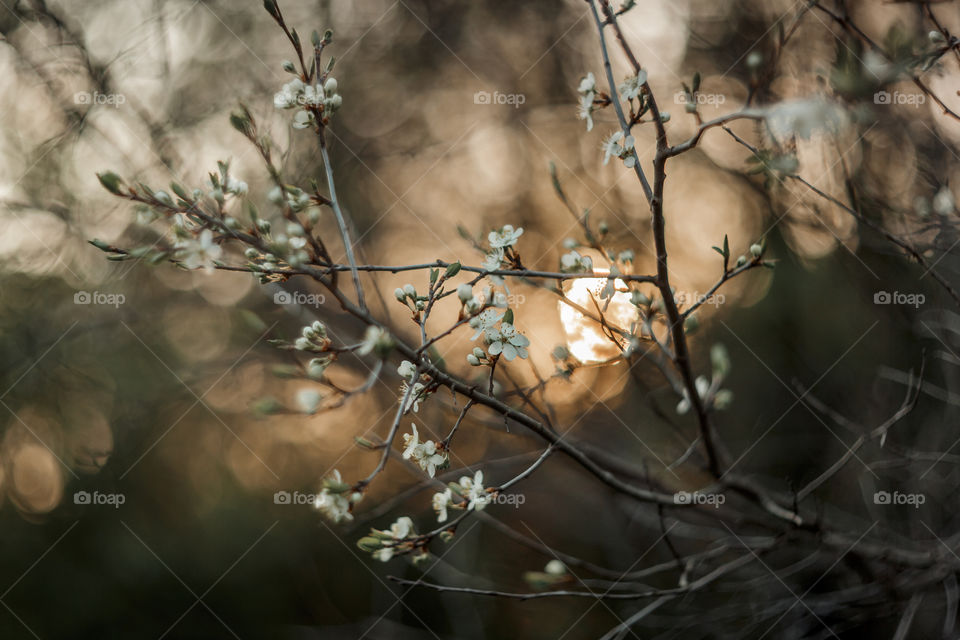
x=573, y=262
x=465, y=292
x=587, y=91
x=632, y=86
x=442, y=500
x=507, y=236
x=588, y=84
x=289, y=95
x=374, y=338
x=943, y=202
x=474, y=492
x=612, y=147
x=237, y=187
x=507, y=341
x=399, y=530
x=485, y=320
x=555, y=568
x=199, y=252
x=424, y=453
x=308, y=400
x=407, y=370
x=302, y=119
x=335, y=505
x=703, y=386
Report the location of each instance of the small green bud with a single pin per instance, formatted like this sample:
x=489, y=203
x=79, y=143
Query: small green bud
x=369, y=544
x=453, y=269
x=111, y=182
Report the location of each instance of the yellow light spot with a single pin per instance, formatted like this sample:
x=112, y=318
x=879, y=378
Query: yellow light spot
x=586, y=339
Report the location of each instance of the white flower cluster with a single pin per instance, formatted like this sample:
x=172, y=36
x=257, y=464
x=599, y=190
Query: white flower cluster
x=505, y=339
x=587, y=91
x=407, y=295
x=200, y=251
x=418, y=392
x=224, y=183
x=475, y=496
x=500, y=241
x=709, y=390
x=384, y=544
x=617, y=145
x=426, y=453
x=313, y=338
x=294, y=197
x=335, y=500
x=296, y=94
x=505, y=237
x=473, y=303
x=573, y=262
x=633, y=86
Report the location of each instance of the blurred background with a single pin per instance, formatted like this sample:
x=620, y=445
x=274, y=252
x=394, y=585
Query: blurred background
x=148, y=384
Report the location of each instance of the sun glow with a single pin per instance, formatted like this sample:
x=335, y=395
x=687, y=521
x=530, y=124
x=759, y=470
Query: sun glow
x=586, y=340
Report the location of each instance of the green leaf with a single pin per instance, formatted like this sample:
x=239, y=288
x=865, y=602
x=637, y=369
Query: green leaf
x=508, y=317
x=434, y=274
x=453, y=269
x=180, y=191
x=315, y=39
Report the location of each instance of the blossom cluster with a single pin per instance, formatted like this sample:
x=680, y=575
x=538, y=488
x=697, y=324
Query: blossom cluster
x=336, y=498
x=307, y=98
x=427, y=454
x=501, y=340
x=709, y=390
x=418, y=391
x=198, y=251
x=588, y=92
x=474, y=495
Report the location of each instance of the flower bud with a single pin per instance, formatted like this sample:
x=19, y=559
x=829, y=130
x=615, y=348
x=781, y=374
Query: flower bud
x=330, y=86
x=756, y=250
x=409, y=290
x=464, y=292
x=400, y=295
